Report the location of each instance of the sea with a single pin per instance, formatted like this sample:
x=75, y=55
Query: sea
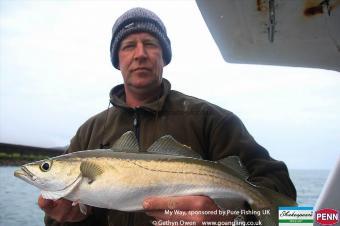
x=18, y=200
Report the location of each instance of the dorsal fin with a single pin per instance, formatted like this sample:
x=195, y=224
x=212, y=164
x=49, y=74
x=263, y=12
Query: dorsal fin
x=234, y=163
x=167, y=145
x=126, y=143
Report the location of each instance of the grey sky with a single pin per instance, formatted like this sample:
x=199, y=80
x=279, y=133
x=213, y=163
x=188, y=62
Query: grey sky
x=55, y=73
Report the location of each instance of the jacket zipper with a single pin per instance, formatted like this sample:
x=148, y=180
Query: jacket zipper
x=136, y=124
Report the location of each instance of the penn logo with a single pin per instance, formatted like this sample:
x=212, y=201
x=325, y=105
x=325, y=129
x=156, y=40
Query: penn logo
x=327, y=216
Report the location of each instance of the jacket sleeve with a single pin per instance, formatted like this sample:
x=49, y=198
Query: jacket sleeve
x=230, y=137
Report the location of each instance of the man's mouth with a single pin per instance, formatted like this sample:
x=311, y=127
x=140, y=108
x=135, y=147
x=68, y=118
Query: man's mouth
x=140, y=69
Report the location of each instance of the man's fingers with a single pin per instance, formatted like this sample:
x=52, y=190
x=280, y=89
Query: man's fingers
x=160, y=203
x=62, y=210
x=179, y=203
x=183, y=208
x=46, y=204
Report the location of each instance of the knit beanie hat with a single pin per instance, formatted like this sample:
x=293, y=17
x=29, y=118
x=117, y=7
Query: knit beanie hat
x=139, y=20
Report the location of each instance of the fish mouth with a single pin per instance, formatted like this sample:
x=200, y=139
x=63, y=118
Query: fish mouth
x=25, y=174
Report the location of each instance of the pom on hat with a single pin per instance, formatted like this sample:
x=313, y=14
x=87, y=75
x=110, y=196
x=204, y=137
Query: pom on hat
x=139, y=20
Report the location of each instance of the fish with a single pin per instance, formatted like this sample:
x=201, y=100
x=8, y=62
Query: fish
x=121, y=177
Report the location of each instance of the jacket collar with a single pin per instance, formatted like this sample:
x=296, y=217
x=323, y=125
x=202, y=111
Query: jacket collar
x=117, y=98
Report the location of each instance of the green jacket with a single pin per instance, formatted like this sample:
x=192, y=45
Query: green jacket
x=211, y=131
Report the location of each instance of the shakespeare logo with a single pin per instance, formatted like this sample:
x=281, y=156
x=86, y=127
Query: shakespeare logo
x=295, y=216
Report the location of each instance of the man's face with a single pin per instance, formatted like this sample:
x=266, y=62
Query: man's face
x=141, y=61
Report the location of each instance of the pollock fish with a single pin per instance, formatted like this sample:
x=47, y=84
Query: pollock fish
x=121, y=178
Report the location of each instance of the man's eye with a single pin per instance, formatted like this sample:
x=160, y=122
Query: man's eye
x=127, y=47
x=151, y=44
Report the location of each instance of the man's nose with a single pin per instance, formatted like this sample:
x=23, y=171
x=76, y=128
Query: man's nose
x=140, y=52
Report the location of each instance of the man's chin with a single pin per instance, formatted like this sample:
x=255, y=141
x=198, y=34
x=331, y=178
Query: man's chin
x=144, y=85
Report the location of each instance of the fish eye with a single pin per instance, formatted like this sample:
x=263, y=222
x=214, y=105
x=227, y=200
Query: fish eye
x=46, y=166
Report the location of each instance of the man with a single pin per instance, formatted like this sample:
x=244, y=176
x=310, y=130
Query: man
x=145, y=104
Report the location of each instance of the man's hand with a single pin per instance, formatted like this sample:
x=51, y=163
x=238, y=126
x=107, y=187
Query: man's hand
x=62, y=210
x=185, y=205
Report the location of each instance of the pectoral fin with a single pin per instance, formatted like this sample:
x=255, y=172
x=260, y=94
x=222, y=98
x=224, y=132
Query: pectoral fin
x=91, y=170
